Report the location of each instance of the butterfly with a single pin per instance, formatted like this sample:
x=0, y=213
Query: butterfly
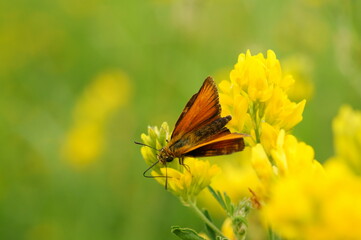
x=200, y=130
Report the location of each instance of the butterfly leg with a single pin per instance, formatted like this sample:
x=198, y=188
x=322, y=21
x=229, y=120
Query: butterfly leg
x=181, y=162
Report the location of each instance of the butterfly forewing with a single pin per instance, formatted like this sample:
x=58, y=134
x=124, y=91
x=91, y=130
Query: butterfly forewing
x=201, y=109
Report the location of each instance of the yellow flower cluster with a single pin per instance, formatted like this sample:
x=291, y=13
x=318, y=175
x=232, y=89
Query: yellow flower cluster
x=256, y=97
x=299, y=198
x=188, y=184
x=256, y=94
x=184, y=182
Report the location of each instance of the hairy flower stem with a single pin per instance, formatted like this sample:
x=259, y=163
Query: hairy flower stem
x=205, y=219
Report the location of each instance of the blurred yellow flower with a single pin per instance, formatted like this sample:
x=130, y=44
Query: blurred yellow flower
x=311, y=202
x=347, y=137
x=316, y=206
x=84, y=142
x=227, y=229
x=300, y=67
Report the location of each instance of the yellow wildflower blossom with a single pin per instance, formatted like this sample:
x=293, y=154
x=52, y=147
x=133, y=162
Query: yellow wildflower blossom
x=281, y=112
x=229, y=95
x=184, y=182
x=292, y=157
x=188, y=184
x=156, y=138
x=263, y=167
x=288, y=157
x=269, y=136
x=257, y=75
x=256, y=94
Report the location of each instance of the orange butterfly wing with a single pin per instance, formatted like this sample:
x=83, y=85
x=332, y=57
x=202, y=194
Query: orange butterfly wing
x=201, y=109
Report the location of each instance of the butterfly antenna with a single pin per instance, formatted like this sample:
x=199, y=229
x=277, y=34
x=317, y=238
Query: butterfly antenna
x=151, y=166
x=143, y=144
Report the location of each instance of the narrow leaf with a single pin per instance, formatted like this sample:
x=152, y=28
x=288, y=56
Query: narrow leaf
x=217, y=195
x=211, y=233
x=186, y=233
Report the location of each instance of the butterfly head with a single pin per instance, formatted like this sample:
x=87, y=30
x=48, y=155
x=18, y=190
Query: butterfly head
x=165, y=155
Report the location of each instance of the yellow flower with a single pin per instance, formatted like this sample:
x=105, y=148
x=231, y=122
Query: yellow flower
x=235, y=104
x=188, y=184
x=292, y=157
x=347, y=137
x=227, y=229
x=281, y=112
x=285, y=157
x=156, y=139
x=263, y=167
x=300, y=68
x=269, y=136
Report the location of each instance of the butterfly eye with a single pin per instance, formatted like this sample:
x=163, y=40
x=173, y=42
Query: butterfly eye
x=169, y=159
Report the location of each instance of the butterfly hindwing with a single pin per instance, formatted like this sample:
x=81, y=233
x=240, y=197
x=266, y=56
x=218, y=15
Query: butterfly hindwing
x=223, y=145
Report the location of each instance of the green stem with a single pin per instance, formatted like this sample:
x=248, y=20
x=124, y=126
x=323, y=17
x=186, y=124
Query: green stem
x=272, y=235
x=256, y=122
x=205, y=219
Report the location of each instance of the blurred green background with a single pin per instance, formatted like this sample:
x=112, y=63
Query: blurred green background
x=81, y=80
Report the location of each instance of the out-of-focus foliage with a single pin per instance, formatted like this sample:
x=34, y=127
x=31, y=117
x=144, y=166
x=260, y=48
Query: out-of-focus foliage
x=80, y=80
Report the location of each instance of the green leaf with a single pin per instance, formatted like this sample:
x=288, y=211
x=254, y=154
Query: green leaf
x=228, y=204
x=211, y=233
x=186, y=233
x=218, y=196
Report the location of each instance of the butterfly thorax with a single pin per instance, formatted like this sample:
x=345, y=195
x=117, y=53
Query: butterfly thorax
x=165, y=155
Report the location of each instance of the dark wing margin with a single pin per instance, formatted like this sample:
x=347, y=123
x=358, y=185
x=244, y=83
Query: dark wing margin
x=200, y=110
